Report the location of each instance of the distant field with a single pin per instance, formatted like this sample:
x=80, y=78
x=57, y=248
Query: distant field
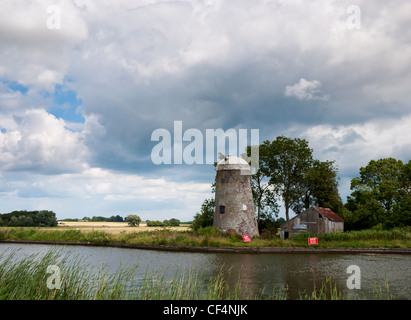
x=113, y=227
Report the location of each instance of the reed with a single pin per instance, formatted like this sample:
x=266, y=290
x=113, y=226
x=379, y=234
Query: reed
x=26, y=279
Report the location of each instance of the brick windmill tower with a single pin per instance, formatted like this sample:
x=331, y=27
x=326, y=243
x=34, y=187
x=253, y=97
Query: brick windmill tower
x=234, y=206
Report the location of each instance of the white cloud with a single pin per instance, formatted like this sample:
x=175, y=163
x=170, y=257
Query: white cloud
x=35, y=140
x=305, y=90
x=96, y=191
x=140, y=65
x=353, y=146
x=32, y=54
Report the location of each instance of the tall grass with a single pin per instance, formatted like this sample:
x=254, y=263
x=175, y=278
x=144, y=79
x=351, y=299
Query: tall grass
x=31, y=233
x=26, y=279
x=397, y=237
x=327, y=291
x=369, y=234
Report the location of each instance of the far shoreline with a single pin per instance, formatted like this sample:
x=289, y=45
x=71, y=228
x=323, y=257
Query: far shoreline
x=199, y=249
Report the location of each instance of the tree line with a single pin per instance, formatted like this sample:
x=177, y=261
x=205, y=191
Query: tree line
x=116, y=218
x=132, y=219
x=23, y=218
x=289, y=174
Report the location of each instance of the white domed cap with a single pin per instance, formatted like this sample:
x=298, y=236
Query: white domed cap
x=233, y=163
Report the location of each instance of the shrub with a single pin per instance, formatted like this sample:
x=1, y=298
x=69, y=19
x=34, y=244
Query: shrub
x=155, y=223
x=205, y=217
x=133, y=220
x=207, y=231
x=174, y=222
x=234, y=237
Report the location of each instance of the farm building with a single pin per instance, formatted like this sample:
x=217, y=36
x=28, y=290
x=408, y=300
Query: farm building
x=315, y=220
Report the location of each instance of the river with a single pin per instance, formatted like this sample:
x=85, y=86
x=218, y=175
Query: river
x=296, y=271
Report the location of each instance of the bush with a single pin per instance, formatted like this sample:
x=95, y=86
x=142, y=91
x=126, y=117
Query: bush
x=234, y=237
x=157, y=223
x=207, y=231
x=269, y=234
x=174, y=222
x=205, y=217
x=133, y=220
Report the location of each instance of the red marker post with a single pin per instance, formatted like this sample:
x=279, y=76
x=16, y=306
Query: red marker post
x=246, y=238
x=312, y=240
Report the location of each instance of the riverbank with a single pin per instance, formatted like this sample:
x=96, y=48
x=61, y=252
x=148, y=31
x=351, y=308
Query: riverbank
x=221, y=249
x=366, y=241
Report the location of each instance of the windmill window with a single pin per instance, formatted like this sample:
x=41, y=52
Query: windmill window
x=222, y=209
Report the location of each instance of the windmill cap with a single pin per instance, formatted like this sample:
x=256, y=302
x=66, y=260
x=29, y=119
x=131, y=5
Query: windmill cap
x=233, y=163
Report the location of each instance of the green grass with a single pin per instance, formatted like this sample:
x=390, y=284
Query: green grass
x=27, y=279
x=395, y=238
x=32, y=233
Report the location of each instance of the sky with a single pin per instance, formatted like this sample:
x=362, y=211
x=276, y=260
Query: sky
x=85, y=83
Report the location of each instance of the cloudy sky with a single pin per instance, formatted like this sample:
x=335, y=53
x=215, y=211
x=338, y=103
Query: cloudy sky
x=84, y=83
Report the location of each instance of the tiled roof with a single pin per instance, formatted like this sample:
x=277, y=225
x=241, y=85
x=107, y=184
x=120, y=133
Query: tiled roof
x=329, y=214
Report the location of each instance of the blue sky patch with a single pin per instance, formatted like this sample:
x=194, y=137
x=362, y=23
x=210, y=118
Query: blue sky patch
x=15, y=86
x=66, y=104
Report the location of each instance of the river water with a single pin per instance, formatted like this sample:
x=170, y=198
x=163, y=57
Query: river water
x=298, y=272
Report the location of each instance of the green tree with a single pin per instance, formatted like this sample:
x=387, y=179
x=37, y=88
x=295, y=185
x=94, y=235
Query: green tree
x=382, y=177
x=380, y=196
x=401, y=214
x=13, y=221
x=363, y=210
x=98, y=219
x=320, y=187
x=133, y=220
x=205, y=217
x=286, y=161
x=174, y=222
x=263, y=193
x=405, y=179
x=116, y=218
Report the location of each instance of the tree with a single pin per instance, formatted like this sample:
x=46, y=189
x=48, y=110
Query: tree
x=401, y=214
x=381, y=195
x=116, y=218
x=30, y=218
x=205, y=217
x=364, y=211
x=320, y=187
x=174, y=222
x=286, y=161
x=263, y=194
x=133, y=220
x=405, y=178
x=98, y=219
x=382, y=177
x=13, y=221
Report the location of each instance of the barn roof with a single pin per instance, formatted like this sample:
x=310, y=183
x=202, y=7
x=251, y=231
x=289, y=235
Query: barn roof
x=329, y=214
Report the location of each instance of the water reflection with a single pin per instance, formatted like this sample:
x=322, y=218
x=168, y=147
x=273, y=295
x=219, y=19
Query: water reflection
x=297, y=271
